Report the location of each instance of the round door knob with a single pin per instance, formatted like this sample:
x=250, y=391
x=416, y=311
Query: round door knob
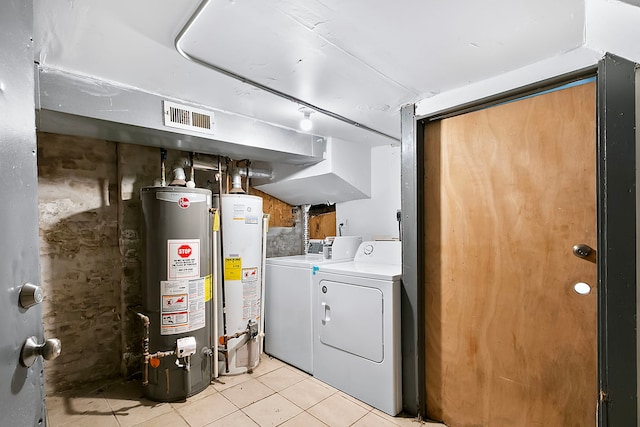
x=49, y=350
x=30, y=295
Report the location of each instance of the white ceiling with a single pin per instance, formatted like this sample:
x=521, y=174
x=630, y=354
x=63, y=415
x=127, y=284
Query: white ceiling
x=361, y=59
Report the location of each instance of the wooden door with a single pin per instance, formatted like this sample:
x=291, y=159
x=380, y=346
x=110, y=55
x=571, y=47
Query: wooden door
x=508, y=191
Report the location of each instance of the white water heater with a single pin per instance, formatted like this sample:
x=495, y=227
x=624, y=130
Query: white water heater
x=240, y=296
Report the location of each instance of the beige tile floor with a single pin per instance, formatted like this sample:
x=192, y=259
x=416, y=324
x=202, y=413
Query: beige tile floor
x=275, y=394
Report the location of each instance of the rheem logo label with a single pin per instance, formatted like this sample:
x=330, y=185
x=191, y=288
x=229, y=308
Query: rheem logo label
x=183, y=202
x=184, y=251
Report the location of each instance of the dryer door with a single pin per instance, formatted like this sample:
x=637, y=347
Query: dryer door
x=351, y=319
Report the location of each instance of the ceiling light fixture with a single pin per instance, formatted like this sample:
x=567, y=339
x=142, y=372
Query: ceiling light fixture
x=306, y=124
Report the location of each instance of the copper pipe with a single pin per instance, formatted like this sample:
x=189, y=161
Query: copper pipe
x=145, y=349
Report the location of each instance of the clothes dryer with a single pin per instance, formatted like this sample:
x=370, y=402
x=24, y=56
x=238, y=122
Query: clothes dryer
x=288, y=297
x=356, y=320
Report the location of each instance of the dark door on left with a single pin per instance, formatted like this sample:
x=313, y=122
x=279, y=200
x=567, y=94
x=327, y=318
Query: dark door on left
x=21, y=387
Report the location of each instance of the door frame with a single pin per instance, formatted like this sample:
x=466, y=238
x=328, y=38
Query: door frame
x=616, y=248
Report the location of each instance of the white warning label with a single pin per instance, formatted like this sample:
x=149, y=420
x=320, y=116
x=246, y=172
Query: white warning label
x=183, y=259
x=183, y=306
x=250, y=298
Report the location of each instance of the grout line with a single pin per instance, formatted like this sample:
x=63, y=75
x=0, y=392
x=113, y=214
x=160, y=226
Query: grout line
x=303, y=377
x=367, y=413
x=181, y=417
x=113, y=414
x=311, y=415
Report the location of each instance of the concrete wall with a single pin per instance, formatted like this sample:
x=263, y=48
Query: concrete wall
x=285, y=241
x=375, y=217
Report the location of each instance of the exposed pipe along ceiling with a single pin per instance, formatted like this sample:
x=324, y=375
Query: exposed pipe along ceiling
x=226, y=72
x=216, y=164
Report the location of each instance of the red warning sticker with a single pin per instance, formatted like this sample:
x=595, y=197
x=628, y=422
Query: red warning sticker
x=184, y=251
x=183, y=259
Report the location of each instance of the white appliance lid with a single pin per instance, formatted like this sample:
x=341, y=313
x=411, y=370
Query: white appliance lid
x=302, y=261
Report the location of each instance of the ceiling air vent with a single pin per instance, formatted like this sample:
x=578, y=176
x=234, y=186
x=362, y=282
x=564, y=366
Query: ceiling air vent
x=183, y=117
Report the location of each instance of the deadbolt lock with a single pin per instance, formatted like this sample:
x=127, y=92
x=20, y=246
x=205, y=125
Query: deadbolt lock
x=30, y=295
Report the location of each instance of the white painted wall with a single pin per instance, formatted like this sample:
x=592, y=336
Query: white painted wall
x=610, y=26
x=566, y=62
x=376, y=217
x=613, y=26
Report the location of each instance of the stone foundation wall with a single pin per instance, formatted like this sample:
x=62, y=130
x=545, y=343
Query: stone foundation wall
x=81, y=268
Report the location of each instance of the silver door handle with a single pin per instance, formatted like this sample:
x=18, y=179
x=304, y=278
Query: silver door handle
x=327, y=312
x=49, y=350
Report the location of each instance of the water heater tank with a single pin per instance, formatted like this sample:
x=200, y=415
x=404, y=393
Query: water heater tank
x=242, y=224
x=177, y=289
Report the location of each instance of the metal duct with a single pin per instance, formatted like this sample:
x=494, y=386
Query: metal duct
x=70, y=104
x=206, y=162
x=256, y=173
x=179, y=177
x=236, y=182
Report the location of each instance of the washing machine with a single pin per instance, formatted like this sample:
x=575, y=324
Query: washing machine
x=356, y=321
x=287, y=301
